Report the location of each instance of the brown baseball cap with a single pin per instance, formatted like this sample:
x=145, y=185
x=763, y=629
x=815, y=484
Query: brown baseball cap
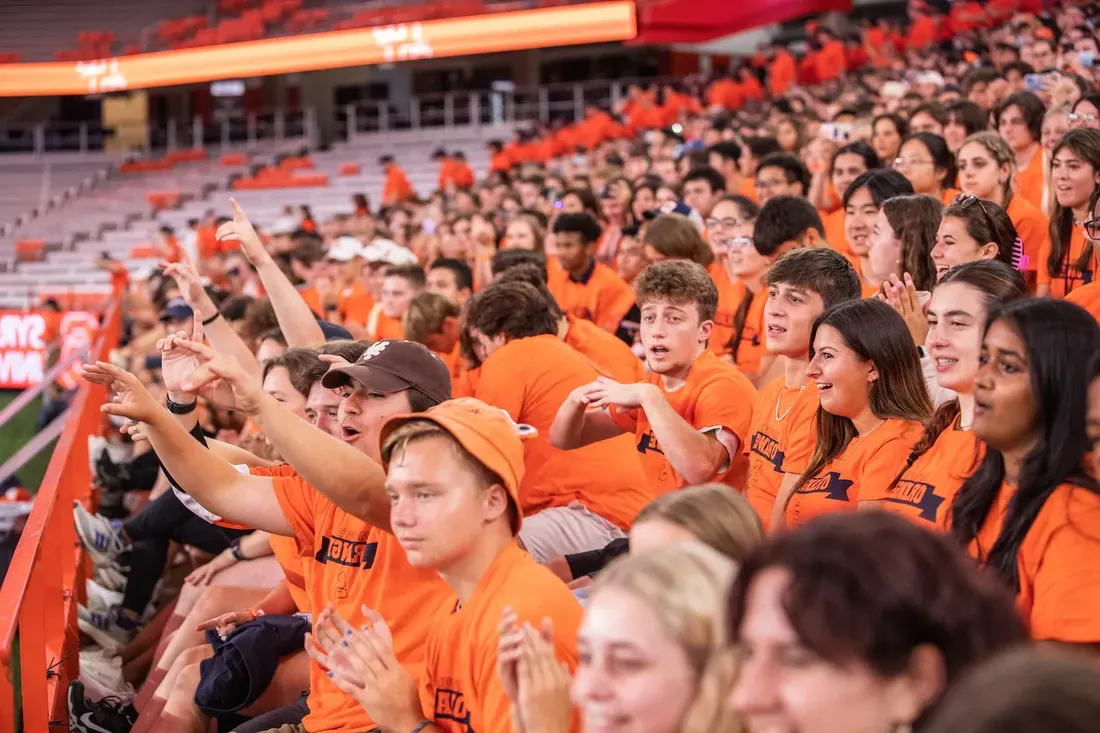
x=487, y=433
x=395, y=366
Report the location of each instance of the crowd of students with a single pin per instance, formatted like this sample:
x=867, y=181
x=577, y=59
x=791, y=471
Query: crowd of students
x=770, y=408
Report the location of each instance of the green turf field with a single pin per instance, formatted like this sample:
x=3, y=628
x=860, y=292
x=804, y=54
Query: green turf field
x=15, y=434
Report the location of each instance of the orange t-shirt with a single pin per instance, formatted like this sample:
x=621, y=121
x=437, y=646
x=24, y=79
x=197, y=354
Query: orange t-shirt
x=206, y=237
x=397, y=187
x=781, y=74
x=1032, y=226
x=924, y=492
x=460, y=685
x=1071, y=278
x=1088, y=297
x=834, y=231
x=1030, y=181
x=381, y=327
x=313, y=300
x=750, y=347
x=874, y=459
x=355, y=304
x=601, y=297
x=949, y=195
x=748, y=189
x=285, y=550
x=531, y=378
x=606, y=352
x=779, y=446
x=715, y=396
x=1058, y=564
x=348, y=563
x=867, y=290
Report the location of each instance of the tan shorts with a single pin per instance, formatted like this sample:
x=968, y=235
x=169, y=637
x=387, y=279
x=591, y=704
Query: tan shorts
x=564, y=530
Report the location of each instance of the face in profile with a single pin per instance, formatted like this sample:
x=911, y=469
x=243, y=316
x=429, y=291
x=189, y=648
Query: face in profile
x=785, y=687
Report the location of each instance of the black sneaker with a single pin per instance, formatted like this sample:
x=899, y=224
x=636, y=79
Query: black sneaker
x=109, y=715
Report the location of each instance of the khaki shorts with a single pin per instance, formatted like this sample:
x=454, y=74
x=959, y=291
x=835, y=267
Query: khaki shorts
x=564, y=530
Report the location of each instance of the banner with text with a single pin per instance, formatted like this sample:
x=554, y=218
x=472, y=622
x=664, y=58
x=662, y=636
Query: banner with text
x=25, y=338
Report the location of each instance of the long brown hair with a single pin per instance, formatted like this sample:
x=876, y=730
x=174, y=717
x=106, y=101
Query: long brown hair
x=1000, y=284
x=1085, y=144
x=876, y=333
x=915, y=220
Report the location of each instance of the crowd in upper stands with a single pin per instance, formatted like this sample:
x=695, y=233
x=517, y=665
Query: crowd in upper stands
x=761, y=405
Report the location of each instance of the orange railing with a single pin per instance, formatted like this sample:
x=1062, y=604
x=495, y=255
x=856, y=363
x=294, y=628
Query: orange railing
x=46, y=578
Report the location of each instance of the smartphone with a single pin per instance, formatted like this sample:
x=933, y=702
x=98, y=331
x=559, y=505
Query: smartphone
x=840, y=132
x=1034, y=83
x=1088, y=58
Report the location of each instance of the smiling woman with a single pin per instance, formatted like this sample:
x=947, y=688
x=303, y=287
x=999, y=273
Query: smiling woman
x=873, y=406
x=1031, y=511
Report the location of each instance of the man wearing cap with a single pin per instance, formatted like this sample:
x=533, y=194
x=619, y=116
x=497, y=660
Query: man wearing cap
x=349, y=561
x=453, y=475
x=177, y=316
x=349, y=301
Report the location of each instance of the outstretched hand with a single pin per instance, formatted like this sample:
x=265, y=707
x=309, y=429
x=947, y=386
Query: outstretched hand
x=218, y=371
x=132, y=399
x=240, y=229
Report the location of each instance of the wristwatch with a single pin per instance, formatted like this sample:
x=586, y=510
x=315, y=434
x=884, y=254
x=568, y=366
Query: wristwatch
x=178, y=408
x=235, y=550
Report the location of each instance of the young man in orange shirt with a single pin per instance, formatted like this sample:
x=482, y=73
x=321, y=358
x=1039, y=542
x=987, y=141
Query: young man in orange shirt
x=690, y=418
x=571, y=501
x=589, y=289
x=607, y=353
x=454, y=477
x=453, y=279
x=401, y=284
x=800, y=286
x=343, y=533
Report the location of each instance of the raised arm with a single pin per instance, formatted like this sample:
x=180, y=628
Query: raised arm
x=297, y=321
x=211, y=481
x=350, y=479
x=208, y=321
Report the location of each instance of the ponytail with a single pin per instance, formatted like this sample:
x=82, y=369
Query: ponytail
x=739, y=319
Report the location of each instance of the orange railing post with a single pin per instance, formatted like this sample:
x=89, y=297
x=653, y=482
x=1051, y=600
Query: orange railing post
x=39, y=595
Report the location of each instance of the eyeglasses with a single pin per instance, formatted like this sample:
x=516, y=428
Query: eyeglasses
x=764, y=184
x=733, y=243
x=1074, y=117
x=716, y=225
x=910, y=162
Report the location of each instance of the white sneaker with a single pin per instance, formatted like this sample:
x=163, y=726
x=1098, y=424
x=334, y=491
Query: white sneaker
x=100, y=598
x=110, y=577
x=95, y=690
x=106, y=671
x=103, y=542
x=106, y=623
x=96, y=445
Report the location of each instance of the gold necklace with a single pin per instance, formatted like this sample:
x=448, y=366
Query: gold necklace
x=779, y=398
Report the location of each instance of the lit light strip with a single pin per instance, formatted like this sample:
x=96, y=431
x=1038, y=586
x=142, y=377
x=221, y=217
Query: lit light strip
x=490, y=33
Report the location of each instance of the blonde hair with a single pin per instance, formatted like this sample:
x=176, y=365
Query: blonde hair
x=427, y=313
x=1002, y=155
x=1047, y=203
x=715, y=514
x=685, y=587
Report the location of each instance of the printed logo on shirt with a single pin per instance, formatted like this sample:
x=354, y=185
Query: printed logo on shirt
x=649, y=443
x=347, y=552
x=767, y=448
x=451, y=711
x=831, y=484
x=918, y=495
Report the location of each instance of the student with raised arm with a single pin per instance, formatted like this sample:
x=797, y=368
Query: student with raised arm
x=351, y=558
x=691, y=415
x=297, y=321
x=453, y=477
x=801, y=285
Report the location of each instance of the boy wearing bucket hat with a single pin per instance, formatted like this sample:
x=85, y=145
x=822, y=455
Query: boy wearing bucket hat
x=453, y=476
